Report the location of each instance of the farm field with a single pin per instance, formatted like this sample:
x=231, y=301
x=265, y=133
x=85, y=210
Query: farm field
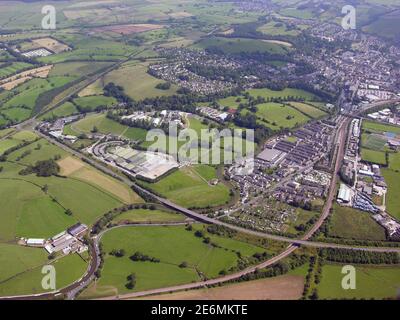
x=349, y=223
x=68, y=269
x=373, y=156
x=394, y=161
x=15, y=139
x=380, y=127
x=37, y=151
x=287, y=287
x=16, y=259
x=372, y=282
x=7, y=144
x=14, y=68
x=65, y=110
x=21, y=106
x=174, y=246
x=232, y=102
x=92, y=49
x=76, y=169
x=310, y=110
x=238, y=45
x=89, y=104
x=78, y=68
x=279, y=29
x=148, y=216
x=276, y=116
x=5, y=132
x=24, y=76
x=51, y=44
x=181, y=185
x=88, y=195
x=138, y=84
x=94, y=89
x=373, y=142
x=392, y=178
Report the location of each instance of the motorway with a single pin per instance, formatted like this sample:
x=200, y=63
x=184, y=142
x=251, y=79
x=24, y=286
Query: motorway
x=73, y=289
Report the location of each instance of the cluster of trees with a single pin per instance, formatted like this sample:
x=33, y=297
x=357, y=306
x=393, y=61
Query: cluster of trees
x=304, y=227
x=112, y=90
x=249, y=121
x=45, y=168
x=119, y=253
x=138, y=256
x=206, y=240
x=164, y=86
x=131, y=281
x=221, y=231
x=360, y=257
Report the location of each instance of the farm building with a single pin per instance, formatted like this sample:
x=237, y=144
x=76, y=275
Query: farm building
x=35, y=242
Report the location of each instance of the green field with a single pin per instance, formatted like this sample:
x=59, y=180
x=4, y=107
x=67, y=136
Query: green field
x=5, y=132
x=91, y=49
x=14, y=68
x=190, y=189
x=392, y=178
x=92, y=102
x=373, y=156
x=138, y=84
x=394, y=161
x=8, y=144
x=68, y=269
x=148, y=216
x=349, y=223
x=39, y=151
x=238, y=45
x=106, y=126
x=379, y=127
x=29, y=211
x=373, y=142
x=23, y=103
x=65, y=110
x=231, y=102
x=15, y=139
x=15, y=259
x=172, y=245
x=371, y=282
x=273, y=28
x=277, y=116
x=78, y=68
x=309, y=110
